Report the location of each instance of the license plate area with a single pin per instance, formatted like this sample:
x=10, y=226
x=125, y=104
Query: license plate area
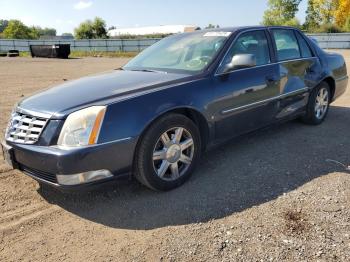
x=7, y=152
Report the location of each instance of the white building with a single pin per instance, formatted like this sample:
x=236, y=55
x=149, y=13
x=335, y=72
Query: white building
x=150, y=30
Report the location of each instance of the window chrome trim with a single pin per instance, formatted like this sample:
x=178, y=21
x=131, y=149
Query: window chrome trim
x=230, y=110
x=275, y=63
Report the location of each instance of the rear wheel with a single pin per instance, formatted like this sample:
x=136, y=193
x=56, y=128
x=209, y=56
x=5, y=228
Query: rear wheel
x=167, y=153
x=318, y=105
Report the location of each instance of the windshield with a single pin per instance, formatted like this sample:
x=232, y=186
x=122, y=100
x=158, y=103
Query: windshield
x=180, y=53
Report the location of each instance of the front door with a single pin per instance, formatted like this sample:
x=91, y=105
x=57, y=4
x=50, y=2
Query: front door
x=245, y=96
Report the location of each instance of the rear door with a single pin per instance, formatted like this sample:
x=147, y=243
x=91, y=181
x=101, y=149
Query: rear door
x=297, y=70
x=245, y=97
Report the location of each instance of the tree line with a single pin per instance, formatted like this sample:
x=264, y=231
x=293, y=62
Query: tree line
x=15, y=29
x=329, y=16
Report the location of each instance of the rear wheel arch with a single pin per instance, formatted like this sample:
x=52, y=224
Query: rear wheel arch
x=317, y=101
x=331, y=83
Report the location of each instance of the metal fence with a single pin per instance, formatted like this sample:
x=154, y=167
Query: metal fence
x=333, y=41
x=341, y=41
x=123, y=45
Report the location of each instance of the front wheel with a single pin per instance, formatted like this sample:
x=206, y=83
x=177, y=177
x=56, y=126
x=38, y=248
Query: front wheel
x=318, y=105
x=167, y=153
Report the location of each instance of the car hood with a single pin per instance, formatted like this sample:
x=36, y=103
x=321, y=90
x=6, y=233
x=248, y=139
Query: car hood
x=98, y=89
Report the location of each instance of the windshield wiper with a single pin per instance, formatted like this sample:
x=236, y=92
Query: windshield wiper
x=148, y=70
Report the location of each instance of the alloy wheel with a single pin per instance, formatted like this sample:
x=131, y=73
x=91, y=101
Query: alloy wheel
x=173, y=153
x=322, y=103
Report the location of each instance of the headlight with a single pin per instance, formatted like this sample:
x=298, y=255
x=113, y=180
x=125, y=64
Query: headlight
x=82, y=128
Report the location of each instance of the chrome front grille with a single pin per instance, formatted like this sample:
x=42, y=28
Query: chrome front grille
x=25, y=129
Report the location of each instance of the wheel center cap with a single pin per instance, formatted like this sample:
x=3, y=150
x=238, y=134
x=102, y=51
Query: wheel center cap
x=173, y=153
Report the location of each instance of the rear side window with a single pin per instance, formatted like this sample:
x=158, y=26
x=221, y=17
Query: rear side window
x=304, y=47
x=286, y=44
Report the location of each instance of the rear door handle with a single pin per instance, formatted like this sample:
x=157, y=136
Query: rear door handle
x=310, y=70
x=271, y=79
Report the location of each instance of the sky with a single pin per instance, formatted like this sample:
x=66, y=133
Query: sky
x=65, y=15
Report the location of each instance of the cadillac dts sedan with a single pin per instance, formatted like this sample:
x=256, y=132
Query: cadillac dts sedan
x=154, y=117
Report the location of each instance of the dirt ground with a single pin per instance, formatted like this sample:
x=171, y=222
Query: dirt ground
x=273, y=195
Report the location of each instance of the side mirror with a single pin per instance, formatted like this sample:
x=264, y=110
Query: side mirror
x=240, y=61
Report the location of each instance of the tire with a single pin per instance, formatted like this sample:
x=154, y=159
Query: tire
x=316, y=112
x=161, y=149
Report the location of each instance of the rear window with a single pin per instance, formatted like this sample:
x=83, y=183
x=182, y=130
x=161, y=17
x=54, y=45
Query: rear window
x=286, y=44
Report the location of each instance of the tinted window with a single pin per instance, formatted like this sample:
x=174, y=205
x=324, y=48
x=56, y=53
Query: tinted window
x=286, y=44
x=304, y=48
x=255, y=43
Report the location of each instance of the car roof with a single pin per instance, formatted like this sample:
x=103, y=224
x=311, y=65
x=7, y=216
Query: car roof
x=233, y=29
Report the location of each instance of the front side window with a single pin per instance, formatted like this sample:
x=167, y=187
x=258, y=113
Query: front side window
x=286, y=44
x=254, y=43
x=188, y=53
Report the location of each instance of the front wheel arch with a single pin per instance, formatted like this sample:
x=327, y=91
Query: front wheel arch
x=141, y=169
x=198, y=119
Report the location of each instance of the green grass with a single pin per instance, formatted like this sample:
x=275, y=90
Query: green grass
x=24, y=54
x=102, y=54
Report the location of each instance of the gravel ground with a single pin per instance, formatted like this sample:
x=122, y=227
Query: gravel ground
x=273, y=195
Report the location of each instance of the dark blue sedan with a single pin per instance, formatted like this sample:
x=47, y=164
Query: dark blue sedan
x=153, y=117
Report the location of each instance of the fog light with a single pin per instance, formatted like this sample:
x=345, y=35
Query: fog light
x=82, y=178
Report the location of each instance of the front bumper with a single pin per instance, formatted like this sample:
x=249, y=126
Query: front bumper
x=43, y=163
